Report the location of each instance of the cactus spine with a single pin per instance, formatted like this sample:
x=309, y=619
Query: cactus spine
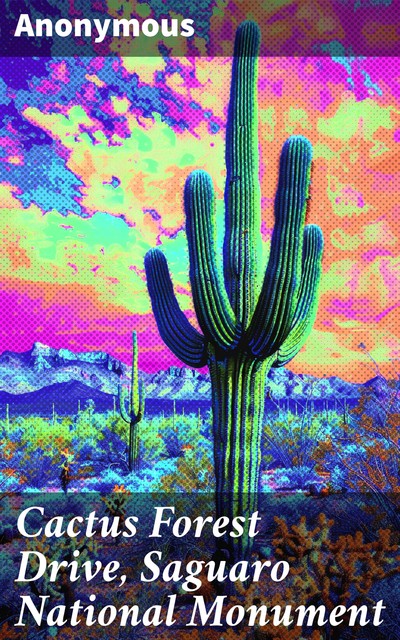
x=249, y=323
x=134, y=413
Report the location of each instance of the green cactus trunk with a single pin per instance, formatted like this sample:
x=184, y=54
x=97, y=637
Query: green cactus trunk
x=133, y=410
x=133, y=447
x=238, y=392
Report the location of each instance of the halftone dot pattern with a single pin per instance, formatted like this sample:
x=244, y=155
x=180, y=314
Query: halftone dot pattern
x=95, y=153
x=95, y=156
x=301, y=28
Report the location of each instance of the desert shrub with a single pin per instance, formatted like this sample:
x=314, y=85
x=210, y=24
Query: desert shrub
x=173, y=443
x=39, y=468
x=329, y=569
x=94, y=443
x=104, y=482
x=375, y=460
x=365, y=458
x=9, y=481
x=291, y=440
x=88, y=425
x=171, y=436
x=194, y=474
x=295, y=477
x=151, y=445
x=337, y=479
x=110, y=451
x=368, y=449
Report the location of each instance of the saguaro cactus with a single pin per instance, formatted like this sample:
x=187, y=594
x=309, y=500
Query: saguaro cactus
x=135, y=410
x=248, y=324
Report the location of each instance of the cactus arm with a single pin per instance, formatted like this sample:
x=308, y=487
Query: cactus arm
x=142, y=398
x=307, y=304
x=242, y=191
x=274, y=314
x=122, y=395
x=211, y=302
x=175, y=329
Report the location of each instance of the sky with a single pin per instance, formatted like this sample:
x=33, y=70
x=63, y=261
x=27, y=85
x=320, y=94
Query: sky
x=94, y=153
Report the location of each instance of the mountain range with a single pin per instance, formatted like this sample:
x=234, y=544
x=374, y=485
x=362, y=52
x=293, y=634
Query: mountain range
x=35, y=380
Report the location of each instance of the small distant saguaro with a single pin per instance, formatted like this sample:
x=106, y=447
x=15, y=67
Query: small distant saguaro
x=132, y=407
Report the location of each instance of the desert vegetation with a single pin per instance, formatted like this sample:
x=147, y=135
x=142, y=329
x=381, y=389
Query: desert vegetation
x=334, y=465
x=328, y=449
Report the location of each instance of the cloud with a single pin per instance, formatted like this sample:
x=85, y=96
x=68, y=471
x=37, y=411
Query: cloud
x=95, y=157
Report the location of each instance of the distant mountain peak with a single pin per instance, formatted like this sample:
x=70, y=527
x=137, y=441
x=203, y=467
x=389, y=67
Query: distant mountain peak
x=42, y=357
x=40, y=347
x=43, y=366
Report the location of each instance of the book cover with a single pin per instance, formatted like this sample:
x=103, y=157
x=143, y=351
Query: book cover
x=199, y=369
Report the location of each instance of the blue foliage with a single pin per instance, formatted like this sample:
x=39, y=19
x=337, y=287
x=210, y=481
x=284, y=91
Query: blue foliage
x=105, y=482
x=172, y=443
x=7, y=573
x=296, y=477
x=40, y=469
x=338, y=477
